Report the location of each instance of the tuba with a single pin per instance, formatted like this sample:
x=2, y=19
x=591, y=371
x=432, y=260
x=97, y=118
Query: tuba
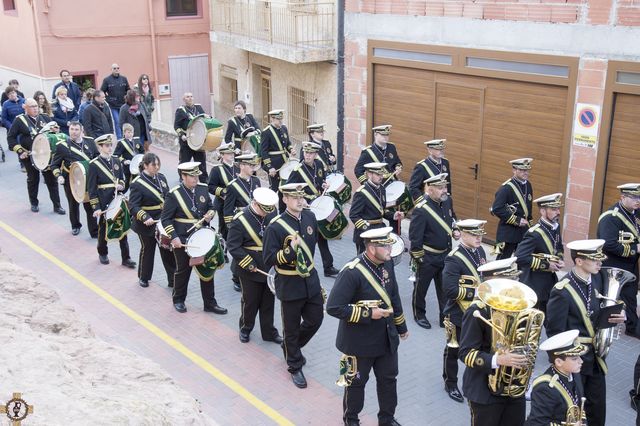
x=604, y=337
x=516, y=327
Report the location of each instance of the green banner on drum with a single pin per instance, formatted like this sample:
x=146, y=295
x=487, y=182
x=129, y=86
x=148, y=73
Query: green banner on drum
x=119, y=226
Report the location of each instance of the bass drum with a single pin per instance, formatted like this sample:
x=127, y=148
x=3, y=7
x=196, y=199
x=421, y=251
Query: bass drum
x=339, y=187
x=42, y=150
x=78, y=172
x=204, y=133
x=331, y=221
x=398, y=196
x=397, y=248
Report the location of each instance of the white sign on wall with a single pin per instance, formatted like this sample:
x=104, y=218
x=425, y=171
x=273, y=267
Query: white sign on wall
x=586, y=125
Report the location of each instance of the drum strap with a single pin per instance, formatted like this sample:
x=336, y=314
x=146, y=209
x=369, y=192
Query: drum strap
x=250, y=230
x=516, y=191
x=224, y=175
x=78, y=152
x=32, y=129
x=241, y=191
x=438, y=219
x=547, y=241
x=309, y=181
x=105, y=170
x=374, y=283
x=183, y=205
x=151, y=189
x=277, y=138
x=373, y=156
x=424, y=164
x=126, y=145
x=375, y=202
x=468, y=264
x=302, y=243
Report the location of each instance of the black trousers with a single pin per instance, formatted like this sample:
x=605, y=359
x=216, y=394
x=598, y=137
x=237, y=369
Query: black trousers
x=628, y=296
x=33, y=181
x=635, y=392
x=511, y=412
x=103, y=250
x=274, y=183
x=325, y=253
x=507, y=251
x=147, y=256
x=595, y=390
x=426, y=273
x=74, y=211
x=181, y=281
x=385, y=368
x=186, y=154
x=450, y=363
x=298, y=333
x=257, y=298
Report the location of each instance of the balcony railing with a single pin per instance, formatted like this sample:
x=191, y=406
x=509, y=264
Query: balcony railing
x=301, y=25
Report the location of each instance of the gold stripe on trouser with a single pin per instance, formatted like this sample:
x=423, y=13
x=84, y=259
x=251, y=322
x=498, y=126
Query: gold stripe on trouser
x=141, y=256
x=284, y=332
x=473, y=418
x=175, y=273
x=242, y=303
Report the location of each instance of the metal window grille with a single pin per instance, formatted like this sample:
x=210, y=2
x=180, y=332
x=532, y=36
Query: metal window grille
x=302, y=113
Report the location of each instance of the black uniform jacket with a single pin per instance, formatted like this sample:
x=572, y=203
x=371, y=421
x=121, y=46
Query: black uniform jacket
x=146, y=199
x=323, y=154
x=431, y=229
x=275, y=147
x=103, y=177
x=368, y=208
x=424, y=170
x=235, y=127
x=277, y=252
x=551, y=393
x=541, y=238
x=183, y=208
x=512, y=194
x=374, y=154
x=68, y=151
x=568, y=309
x=239, y=194
x=244, y=242
x=610, y=223
x=358, y=334
x=126, y=149
x=183, y=116
x=23, y=130
x=313, y=176
x=219, y=178
x=459, y=262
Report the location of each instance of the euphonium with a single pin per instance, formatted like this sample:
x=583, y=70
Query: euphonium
x=576, y=415
x=604, y=337
x=348, y=370
x=625, y=237
x=516, y=328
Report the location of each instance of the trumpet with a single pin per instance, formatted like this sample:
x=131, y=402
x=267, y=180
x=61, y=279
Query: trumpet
x=548, y=257
x=369, y=303
x=576, y=415
x=625, y=237
x=450, y=333
x=348, y=370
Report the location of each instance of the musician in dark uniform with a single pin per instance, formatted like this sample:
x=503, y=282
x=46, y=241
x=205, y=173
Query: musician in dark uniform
x=312, y=172
x=219, y=178
x=634, y=393
x=368, y=207
x=289, y=246
x=325, y=154
x=242, y=125
x=77, y=147
x=541, y=251
x=460, y=278
x=512, y=205
x=619, y=227
x=20, y=135
x=559, y=387
x=184, y=115
x=104, y=182
x=186, y=208
x=125, y=149
x=574, y=304
x=434, y=164
x=146, y=199
x=430, y=233
x=245, y=245
x=275, y=148
x=370, y=333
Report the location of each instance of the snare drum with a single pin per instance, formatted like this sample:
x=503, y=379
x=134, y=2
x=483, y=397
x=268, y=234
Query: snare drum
x=397, y=248
x=204, y=133
x=114, y=208
x=78, y=172
x=163, y=239
x=339, y=187
x=331, y=221
x=398, y=196
x=134, y=165
x=287, y=168
x=206, y=242
x=43, y=148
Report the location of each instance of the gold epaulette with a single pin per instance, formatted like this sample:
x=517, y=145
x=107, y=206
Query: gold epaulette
x=237, y=215
x=175, y=188
x=359, y=189
x=534, y=227
x=203, y=184
x=93, y=160
x=506, y=182
x=560, y=284
x=135, y=180
x=420, y=204
x=351, y=264
x=452, y=252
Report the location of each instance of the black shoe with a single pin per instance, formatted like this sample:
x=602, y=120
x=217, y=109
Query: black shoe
x=352, y=423
x=75, y=231
x=180, y=307
x=143, y=283
x=275, y=339
x=454, y=393
x=94, y=236
x=634, y=400
x=170, y=284
x=441, y=324
x=59, y=210
x=298, y=379
x=216, y=309
x=236, y=287
x=103, y=259
x=244, y=337
x=424, y=323
x=35, y=208
x=393, y=422
x=129, y=263
x=331, y=272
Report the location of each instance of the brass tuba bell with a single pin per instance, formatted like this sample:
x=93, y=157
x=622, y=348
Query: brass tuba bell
x=348, y=370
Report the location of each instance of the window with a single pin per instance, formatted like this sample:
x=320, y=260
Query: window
x=228, y=85
x=302, y=107
x=9, y=5
x=182, y=7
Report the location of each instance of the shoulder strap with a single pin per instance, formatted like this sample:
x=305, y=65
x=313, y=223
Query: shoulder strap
x=581, y=307
x=308, y=181
x=468, y=264
x=290, y=230
x=438, y=219
x=182, y=203
x=547, y=379
x=518, y=195
x=277, y=138
x=374, y=283
x=423, y=163
x=373, y=201
x=372, y=155
x=241, y=191
x=104, y=169
x=547, y=241
x=150, y=188
x=250, y=230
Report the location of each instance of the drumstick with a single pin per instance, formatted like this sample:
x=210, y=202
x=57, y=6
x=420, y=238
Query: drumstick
x=190, y=246
x=260, y=271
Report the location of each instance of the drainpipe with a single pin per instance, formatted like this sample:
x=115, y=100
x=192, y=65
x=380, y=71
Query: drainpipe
x=154, y=55
x=340, y=89
x=36, y=27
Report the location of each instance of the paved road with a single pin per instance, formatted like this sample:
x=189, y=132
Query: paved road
x=201, y=351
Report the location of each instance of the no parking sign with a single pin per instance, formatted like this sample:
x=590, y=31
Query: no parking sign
x=586, y=125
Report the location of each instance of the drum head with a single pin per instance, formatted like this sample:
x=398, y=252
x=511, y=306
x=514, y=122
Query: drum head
x=287, y=168
x=114, y=207
x=322, y=207
x=398, y=247
x=196, y=133
x=78, y=181
x=335, y=181
x=200, y=242
x=134, y=166
x=394, y=191
x=247, y=147
x=41, y=152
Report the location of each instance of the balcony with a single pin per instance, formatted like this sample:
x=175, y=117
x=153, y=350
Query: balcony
x=296, y=32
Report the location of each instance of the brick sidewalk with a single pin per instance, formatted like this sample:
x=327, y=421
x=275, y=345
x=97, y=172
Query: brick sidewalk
x=257, y=366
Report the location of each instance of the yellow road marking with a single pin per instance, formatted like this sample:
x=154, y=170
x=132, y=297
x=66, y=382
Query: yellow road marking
x=195, y=358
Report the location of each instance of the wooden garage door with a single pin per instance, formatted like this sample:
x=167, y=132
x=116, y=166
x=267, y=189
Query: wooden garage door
x=486, y=121
x=624, y=147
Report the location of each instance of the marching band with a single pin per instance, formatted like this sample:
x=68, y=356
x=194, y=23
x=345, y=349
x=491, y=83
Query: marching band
x=493, y=313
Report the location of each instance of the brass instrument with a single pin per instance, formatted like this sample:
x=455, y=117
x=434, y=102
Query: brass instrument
x=516, y=328
x=468, y=283
x=450, y=333
x=626, y=237
x=604, y=337
x=369, y=303
x=576, y=415
x=348, y=370
x=548, y=257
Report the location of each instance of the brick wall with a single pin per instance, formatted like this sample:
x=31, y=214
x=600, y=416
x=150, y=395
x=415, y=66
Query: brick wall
x=355, y=105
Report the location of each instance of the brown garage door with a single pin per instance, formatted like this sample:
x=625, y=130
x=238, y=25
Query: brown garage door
x=486, y=121
x=624, y=152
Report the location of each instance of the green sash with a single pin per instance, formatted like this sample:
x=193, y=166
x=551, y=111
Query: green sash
x=519, y=197
x=374, y=283
x=438, y=219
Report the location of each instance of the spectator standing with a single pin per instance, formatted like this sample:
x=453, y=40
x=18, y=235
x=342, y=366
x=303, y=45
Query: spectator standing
x=134, y=112
x=12, y=107
x=73, y=90
x=43, y=103
x=115, y=87
x=13, y=83
x=64, y=110
x=87, y=98
x=97, y=118
x=145, y=91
